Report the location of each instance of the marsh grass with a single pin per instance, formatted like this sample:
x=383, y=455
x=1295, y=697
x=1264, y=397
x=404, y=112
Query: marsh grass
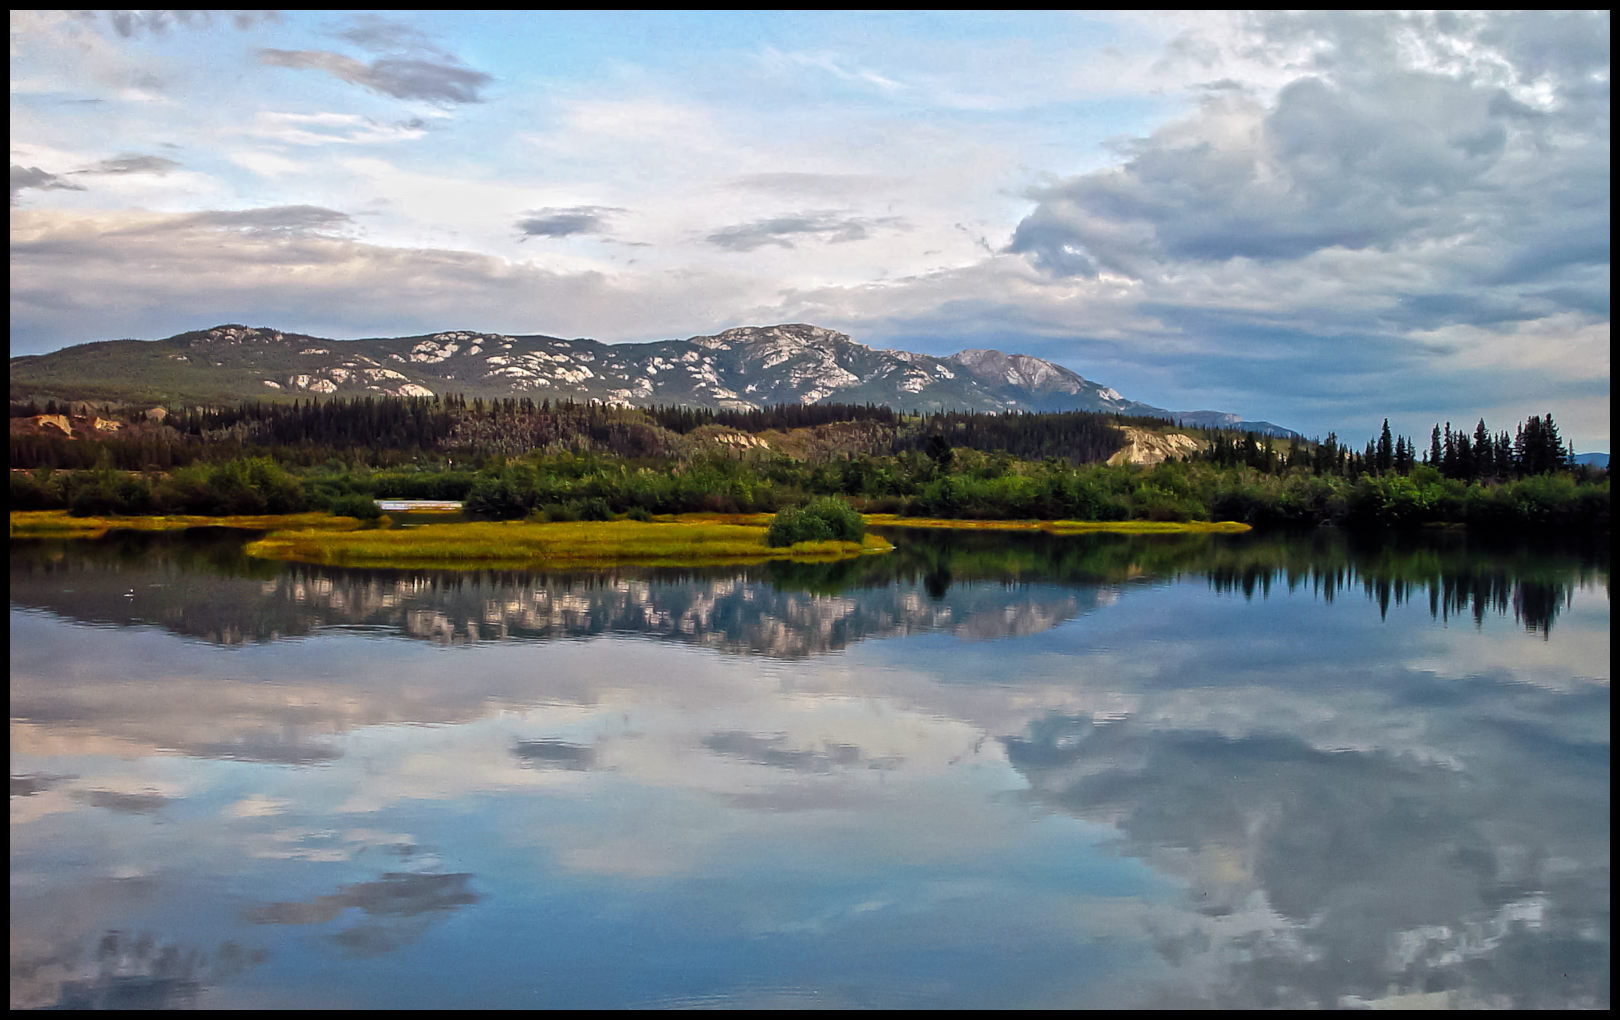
x=1061, y=527
x=698, y=540
x=59, y=524
x=760, y=520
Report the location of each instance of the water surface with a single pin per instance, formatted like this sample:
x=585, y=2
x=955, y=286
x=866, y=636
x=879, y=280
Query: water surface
x=985, y=770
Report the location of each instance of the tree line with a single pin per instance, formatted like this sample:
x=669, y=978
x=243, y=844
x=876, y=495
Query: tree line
x=1535, y=448
x=520, y=458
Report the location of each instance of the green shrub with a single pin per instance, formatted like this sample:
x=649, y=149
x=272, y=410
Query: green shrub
x=354, y=504
x=820, y=520
x=557, y=512
x=501, y=495
x=35, y=490
x=592, y=508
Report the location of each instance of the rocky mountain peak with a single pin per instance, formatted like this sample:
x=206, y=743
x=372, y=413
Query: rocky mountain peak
x=787, y=335
x=1020, y=370
x=232, y=333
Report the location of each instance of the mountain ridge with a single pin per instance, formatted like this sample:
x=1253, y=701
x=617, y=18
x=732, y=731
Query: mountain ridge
x=739, y=368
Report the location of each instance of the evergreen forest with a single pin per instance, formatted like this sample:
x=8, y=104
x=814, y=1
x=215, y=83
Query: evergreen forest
x=516, y=458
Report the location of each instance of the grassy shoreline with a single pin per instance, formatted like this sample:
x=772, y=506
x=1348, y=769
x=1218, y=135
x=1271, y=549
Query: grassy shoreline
x=59, y=524
x=682, y=540
x=585, y=544
x=1061, y=527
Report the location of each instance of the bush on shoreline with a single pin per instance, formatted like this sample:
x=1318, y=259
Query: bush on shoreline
x=819, y=520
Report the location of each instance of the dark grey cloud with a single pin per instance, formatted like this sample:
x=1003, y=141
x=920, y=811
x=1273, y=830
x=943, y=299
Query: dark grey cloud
x=396, y=894
x=555, y=754
x=782, y=230
x=26, y=177
x=122, y=970
x=125, y=803
x=135, y=164
x=565, y=222
x=268, y=750
x=34, y=782
x=378, y=34
x=437, y=80
x=396, y=910
x=129, y=24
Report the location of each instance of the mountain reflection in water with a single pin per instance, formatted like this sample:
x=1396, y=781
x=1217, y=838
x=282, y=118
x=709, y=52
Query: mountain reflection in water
x=975, y=586
x=982, y=771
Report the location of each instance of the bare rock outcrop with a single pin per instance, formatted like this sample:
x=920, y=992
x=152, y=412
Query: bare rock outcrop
x=1149, y=448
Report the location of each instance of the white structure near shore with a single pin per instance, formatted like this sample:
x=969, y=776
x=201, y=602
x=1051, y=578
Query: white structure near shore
x=389, y=506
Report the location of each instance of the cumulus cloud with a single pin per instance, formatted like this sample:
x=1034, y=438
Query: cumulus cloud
x=1410, y=161
x=1384, y=832
x=781, y=230
x=441, y=80
x=1414, y=173
x=1376, y=147
x=565, y=222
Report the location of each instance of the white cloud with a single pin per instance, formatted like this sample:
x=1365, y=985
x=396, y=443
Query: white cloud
x=329, y=129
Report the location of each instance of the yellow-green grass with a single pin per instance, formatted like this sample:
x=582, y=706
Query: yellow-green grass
x=1061, y=527
x=761, y=520
x=475, y=545
x=60, y=524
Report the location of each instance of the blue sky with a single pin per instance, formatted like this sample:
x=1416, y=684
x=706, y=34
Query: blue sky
x=1320, y=219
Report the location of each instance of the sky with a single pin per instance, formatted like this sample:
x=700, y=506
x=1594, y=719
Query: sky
x=1320, y=219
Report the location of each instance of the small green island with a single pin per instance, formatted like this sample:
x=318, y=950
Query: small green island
x=692, y=540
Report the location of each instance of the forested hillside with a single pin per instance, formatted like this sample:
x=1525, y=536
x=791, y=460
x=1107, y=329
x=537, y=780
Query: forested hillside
x=515, y=457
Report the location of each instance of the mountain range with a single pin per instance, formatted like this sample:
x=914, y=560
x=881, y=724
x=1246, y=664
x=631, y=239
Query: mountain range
x=747, y=367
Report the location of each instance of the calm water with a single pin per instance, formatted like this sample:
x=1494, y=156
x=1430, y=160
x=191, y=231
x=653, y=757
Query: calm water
x=981, y=771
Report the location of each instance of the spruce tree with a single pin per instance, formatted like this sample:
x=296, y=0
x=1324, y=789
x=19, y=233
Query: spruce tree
x=1484, y=451
x=1554, y=445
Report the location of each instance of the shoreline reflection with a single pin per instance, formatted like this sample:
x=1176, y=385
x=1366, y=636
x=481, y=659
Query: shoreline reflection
x=979, y=773
x=975, y=586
